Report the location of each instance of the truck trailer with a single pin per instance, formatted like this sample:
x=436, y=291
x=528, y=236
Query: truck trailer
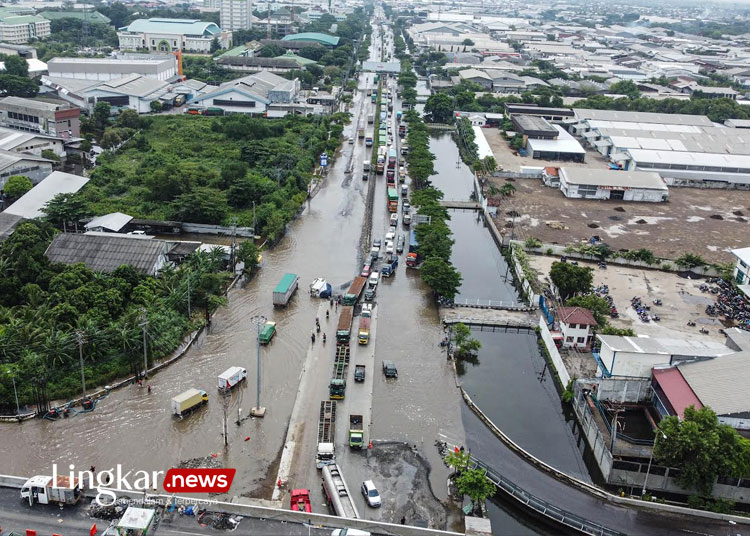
x=337, y=386
x=284, y=290
x=231, y=377
x=355, y=291
x=186, y=402
x=326, y=433
x=344, y=328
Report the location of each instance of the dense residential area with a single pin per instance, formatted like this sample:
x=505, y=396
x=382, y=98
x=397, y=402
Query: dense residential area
x=371, y=268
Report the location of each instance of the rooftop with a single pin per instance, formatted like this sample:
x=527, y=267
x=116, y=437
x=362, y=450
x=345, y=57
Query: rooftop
x=664, y=346
x=613, y=178
x=533, y=124
x=642, y=117
x=35, y=103
x=742, y=254
x=565, y=143
x=576, y=315
x=322, y=38
x=112, y=222
x=133, y=84
x=676, y=389
x=93, y=17
x=106, y=252
x=172, y=26
x=31, y=203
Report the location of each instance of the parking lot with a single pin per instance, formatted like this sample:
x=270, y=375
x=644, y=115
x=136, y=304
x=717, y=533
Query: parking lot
x=681, y=298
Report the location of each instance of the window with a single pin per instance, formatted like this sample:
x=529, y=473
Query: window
x=568, y=339
x=581, y=340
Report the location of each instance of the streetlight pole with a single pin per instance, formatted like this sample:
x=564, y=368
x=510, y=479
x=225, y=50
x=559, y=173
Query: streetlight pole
x=13, y=379
x=650, y=459
x=259, y=321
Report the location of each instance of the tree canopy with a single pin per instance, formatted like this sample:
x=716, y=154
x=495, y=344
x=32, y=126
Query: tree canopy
x=571, y=279
x=16, y=186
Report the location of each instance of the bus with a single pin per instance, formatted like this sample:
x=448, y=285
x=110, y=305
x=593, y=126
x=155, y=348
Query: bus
x=392, y=159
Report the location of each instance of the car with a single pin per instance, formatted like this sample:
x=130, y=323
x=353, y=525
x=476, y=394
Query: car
x=392, y=229
x=402, y=171
x=365, y=176
x=390, y=131
x=390, y=235
x=394, y=218
x=405, y=206
x=388, y=247
x=366, y=270
x=351, y=139
x=371, y=494
x=389, y=369
x=400, y=243
x=349, y=532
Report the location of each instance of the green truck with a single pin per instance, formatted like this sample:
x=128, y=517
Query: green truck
x=337, y=387
x=344, y=329
x=356, y=432
x=355, y=290
x=267, y=333
x=284, y=290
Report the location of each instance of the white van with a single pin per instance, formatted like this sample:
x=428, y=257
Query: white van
x=373, y=280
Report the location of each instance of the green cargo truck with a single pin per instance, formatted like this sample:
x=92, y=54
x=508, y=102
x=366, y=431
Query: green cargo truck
x=267, y=333
x=356, y=432
x=355, y=290
x=337, y=387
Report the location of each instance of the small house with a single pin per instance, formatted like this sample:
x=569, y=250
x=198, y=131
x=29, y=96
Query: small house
x=576, y=324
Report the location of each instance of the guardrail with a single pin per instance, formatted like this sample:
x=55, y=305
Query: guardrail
x=491, y=304
x=542, y=507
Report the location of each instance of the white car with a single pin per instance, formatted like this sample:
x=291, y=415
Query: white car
x=349, y=532
x=394, y=218
x=371, y=494
x=351, y=139
x=389, y=247
x=389, y=236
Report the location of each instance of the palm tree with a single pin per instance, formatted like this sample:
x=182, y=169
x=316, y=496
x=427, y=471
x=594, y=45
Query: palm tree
x=507, y=189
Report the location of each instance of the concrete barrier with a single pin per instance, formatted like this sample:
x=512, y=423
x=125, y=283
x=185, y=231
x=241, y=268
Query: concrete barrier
x=261, y=512
x=557, y=362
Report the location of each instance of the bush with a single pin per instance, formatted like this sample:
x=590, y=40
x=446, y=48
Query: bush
x=532, y=243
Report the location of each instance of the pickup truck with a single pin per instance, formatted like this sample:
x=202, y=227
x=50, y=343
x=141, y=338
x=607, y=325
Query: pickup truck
x=356, y=432
x=359, y=373
x=389, y=369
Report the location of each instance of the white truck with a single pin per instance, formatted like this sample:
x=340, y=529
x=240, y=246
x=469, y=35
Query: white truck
x=231, y=377
x=325, y=454
x=46, y=490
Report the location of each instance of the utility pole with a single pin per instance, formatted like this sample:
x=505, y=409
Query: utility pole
x=81, y=339
x=188, y=285
x=144, y=323
x=258, y=411
x=234, y=244
x=225, y=406
x=255, y=232
x=13, y=379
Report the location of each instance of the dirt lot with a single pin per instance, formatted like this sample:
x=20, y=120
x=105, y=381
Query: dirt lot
x=509, y=162
x=706, y=222
x=681, y=298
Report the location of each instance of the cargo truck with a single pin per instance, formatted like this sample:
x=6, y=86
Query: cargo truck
x=368, y=139
x=356, y=432
x=343, y=331
x=267, y=333
x=46, y=490
x=398, y=115
x=231, y=377
x=392, y=200
x=337, y=386
x=389, y=266
x=337, y=493
x=363, y=335
x=355, y=290
x=326, y=431
x=392, y=159
x=370, y=119
x=186, y=402
x=284, y=290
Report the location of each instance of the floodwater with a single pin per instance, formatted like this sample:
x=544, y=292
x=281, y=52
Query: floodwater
x=452, y=176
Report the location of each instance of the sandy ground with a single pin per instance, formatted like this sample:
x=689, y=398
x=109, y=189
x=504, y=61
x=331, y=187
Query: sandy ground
x=681, y=298
x=705, y=222
x=507, y=161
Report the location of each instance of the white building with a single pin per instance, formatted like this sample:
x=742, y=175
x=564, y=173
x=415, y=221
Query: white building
x=251, y=94
x=159, y=68
x=602, y=183
x=19, y=29
x=742, y=269
x=236, y=14
x=575, y=326
x=167, y=35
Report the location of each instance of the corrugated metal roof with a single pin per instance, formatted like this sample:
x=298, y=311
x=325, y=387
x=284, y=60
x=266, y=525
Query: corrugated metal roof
x=677, y=390
x=133, y=84
x=31, y=203
x=642, y=117
x=106, y=253
x=173, y=26
x=93, y=17
x=8, y=224
x=614, y=178
x=113, y=221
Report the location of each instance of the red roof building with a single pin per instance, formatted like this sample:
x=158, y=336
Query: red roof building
x=575, y=326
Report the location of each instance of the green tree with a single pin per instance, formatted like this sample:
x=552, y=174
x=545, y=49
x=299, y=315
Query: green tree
x=458, y=459
x=465, y=344
x=66, y=208
x=200, y=205
x=102, y=111
x=156, y=106
x=16, y=66
x=468, y=42
x=441, y=277
x=702, y=449
x=16, y=186
x=129, y=118
x=110, y=139
x=49, y=154
x=570, y=279
x=215, y=45
x=248, y=254
x=625, y=87
x=439, y=108
x=690, y=260
x=18, y=86
x=475, y=484
x=597, y=305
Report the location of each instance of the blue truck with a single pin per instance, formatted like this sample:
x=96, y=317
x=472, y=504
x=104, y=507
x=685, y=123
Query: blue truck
x=389, y=266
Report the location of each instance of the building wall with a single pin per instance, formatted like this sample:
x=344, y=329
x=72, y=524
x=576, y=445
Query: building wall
x=80, y=72
x=61, y=123
x=575, y=335
x=171, y=42
x=741, y=271
x=634, y=194
x=221, y=101
x=236, y=14
x=18, y=34
x=631, y=364
x=36, y=171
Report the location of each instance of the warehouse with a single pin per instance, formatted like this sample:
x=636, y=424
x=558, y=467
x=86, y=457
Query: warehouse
x=690, y=168
x=157, y=67
x=564, y=147
x=590, y=183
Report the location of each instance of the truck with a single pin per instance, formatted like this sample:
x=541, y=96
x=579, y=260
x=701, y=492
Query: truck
x=404, y=149
x=300, y=500
x=361, y=132
x=402, y=130
x=389, y=266
x=231, y=377
x=369, y=92
x=325, y=454
x=337, y=493
x=284, y=290
x=46, y=490
x=380, y=165
x=374, y=98
x=392, y=200
x=267, y=333
x=344, y=329
x=337, y=385
x=398, y=115
x=363, y=334
x=355, y=291
x=187, y=401
x=356, y=432
x=359, y=373
x=366, y=167
x=392, y=159
x=368, y=139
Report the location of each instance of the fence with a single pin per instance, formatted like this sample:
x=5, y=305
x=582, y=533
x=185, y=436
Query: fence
x=557, y=362
x=624, y=389
x=490, y=304
x=531, y=297
x=199, y=228
x=594, y=437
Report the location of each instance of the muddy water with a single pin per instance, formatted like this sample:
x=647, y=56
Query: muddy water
x=452, y=176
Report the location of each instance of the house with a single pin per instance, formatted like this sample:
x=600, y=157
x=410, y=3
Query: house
x=576, y=324
x=602, y=183
x=105, y=252
x=30, y=205
x=251, y=94
x=111, y=223
x=167, y=35
x=54, y=118
x=35, y=168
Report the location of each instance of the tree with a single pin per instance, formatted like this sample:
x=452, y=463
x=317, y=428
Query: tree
x=129, y=118
x=439, y=108
x=690, y=260
x=110, y=139
x=625, y=87
x=465, y=344
x=490, y=164
x=102, y=111
x=441, y=277
x=270, y=50
x=66, y=208
x=49, y=154
x=507, y=189
x=596, y=304
x=200, y=205
x=117, y=13
x=701, y=448
x=458, y=459
x=18, y=86
x=16, y=186
x=475, y=484
x=16, y=66
x=570, y=279
x=248, y=254
x=156, y=106
x=468, y=42
x=215, y=45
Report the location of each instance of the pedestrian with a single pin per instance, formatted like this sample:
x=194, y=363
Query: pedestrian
x=140, y=382
x=149, y=387
x=403, y=520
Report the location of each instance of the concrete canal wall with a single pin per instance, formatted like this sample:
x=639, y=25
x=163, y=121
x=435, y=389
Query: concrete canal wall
x=554, y=354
